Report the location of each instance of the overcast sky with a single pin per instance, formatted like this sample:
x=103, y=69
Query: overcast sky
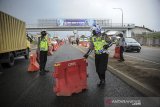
x=139, y=12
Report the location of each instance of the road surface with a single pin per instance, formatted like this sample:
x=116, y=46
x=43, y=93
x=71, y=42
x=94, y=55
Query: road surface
x=151, y=54
x=18, y=88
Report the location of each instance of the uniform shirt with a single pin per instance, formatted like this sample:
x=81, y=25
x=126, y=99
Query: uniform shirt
x=121, y=41
x=43, y=44
x=91, y=46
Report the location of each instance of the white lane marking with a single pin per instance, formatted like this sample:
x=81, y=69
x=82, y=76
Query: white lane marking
x=140, y=67
x=142, y=59
x=125, y=55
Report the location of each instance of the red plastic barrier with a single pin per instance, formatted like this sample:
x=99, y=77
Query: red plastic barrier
x=84, y=44
x=33, y=64
x=88, y=45
x=61, y=43
x=55, y=47
x=117, y=52
x=70, y=76
x=50, y=52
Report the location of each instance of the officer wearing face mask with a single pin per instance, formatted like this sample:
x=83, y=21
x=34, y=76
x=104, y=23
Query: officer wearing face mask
x=43, y=46
x=100, y=47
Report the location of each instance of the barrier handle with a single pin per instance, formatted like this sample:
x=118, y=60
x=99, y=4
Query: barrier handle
x=65, y=76
x=79, y=72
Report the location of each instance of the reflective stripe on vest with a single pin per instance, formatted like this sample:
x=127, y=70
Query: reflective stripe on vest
x=43, y=45
x=98, y=44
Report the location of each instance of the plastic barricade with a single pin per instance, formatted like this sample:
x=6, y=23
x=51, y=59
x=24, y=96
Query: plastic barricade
x=88, y=45
x=61, y=43
x=84, y=44
x=80, y=43
x=33, y=64
x=70, y=77
x=117, y=52
x=55, y=47
x=50, y=52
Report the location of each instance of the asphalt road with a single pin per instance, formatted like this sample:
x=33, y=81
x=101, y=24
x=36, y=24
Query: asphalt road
x=18, y=88
x=150, y=54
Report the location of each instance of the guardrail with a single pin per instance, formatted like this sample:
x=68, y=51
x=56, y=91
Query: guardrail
x=125, y=25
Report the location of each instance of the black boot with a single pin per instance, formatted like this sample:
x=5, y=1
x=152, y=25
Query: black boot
x=42, y=72
x=46, y=70
x=101, y=84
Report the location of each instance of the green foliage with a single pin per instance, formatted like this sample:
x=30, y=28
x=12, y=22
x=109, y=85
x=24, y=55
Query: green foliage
x=155, y=35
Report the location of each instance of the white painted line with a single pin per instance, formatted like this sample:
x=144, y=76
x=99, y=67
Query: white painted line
x=133, y=82
x=142, y=59
x=125, y=55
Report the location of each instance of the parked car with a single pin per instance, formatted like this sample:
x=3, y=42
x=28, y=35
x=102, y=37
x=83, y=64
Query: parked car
x=132, y=45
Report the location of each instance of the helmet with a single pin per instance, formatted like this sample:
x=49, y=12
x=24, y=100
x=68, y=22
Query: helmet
x=96, y=29
x=121, y=35
x=43, y=33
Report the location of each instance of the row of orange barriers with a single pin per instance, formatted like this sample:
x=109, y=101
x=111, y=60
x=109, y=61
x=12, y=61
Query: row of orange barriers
x=116, y=53
x=70, y=77
x=84, y=44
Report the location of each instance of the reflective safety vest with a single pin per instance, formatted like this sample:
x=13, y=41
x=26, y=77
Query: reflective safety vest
x=98, y=44
x=44, y=45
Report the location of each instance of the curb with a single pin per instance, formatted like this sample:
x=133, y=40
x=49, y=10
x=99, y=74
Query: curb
x=134, y=83
x=144, y=89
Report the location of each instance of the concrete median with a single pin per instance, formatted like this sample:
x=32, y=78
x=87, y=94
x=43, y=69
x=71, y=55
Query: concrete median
x=140, y=74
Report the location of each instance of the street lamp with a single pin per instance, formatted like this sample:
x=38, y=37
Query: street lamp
x=122, y=14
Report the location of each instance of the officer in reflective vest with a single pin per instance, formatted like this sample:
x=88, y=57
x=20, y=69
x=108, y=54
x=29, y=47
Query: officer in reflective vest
x=100, y=46
x=43, y=46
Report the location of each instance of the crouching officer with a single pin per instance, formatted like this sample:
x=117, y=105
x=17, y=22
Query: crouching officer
x=100, y=46
x=43, y=46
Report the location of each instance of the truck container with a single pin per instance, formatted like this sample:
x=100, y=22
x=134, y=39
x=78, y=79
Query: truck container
x=13, y=40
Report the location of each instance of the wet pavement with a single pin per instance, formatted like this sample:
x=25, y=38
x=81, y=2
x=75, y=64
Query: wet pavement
x=18, y=88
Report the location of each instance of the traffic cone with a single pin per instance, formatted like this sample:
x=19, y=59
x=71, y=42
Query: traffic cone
x=117, y=52
x=33, y=65
x=50, y=52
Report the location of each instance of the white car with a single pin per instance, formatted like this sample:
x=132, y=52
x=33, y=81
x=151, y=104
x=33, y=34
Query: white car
x=132, y=45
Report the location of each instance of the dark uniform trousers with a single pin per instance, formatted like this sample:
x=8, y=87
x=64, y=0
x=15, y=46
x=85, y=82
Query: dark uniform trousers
x=43, y=60
x=121, y=53
x=101, y=62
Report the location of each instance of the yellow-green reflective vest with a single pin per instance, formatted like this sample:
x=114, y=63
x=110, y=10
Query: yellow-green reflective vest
x=44, y=45
x=98, y=44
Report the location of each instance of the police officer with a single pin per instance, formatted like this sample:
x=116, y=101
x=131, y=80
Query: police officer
x=100, y=46
x=43, y=46
x=121, y=44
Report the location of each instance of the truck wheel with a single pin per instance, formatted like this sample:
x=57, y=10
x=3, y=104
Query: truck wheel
x=27, y=54
x=4, y=65
x=11, y=59
x=10, y=63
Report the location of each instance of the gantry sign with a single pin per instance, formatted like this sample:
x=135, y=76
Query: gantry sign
x=78, y=24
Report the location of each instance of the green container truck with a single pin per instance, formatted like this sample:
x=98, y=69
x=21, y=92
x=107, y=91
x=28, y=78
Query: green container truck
x=13, y=40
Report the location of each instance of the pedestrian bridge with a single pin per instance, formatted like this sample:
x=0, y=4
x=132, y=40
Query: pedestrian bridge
x=79, y=25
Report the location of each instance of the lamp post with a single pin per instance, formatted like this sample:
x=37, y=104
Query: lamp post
x=122, y=13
